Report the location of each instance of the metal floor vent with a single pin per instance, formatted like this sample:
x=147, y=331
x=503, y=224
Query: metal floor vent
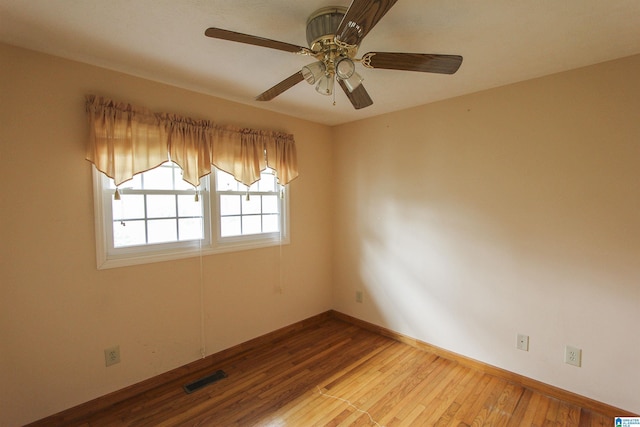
x=202, y=382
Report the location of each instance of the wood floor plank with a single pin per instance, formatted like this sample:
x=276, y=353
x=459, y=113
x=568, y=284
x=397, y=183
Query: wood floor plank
x=392, y=402
x=442, y=395
x=409, y=419
x=520, y=410
x=381, y=389
x=504, y=409
x=333, y=373
x=573, y=417
x=363, y=378
x=451, y=399
x=399, y=382
x=541, y=411
x=471, y=405
x=486, y=402
x=433, y=382
x=432, y=367
x=552, y=411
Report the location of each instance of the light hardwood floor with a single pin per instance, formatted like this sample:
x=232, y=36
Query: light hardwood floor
x=333, y=373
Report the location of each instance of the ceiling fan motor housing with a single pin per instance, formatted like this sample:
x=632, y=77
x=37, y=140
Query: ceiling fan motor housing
x=322, y=25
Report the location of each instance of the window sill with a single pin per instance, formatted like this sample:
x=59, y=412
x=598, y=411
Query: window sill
x=125, y=260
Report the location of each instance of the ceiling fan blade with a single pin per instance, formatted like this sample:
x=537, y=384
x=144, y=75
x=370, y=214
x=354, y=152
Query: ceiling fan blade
x=218, y=33
x=287, y=83
x=360, y=18
x=359, y=97
x=428, y=63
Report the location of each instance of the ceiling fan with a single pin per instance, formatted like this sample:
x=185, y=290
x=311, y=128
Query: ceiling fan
x=334, y=35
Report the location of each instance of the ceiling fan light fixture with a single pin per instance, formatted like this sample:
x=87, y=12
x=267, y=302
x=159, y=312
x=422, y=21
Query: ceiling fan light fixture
x=312, y=73
x=325, y=85
x=353, y=82
x=345, y=68
x=334, y=35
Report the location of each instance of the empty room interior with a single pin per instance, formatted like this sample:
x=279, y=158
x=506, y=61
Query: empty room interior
x=456, y=244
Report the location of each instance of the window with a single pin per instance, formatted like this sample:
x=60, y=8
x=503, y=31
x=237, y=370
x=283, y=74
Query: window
x=246, y=212
x=159, y=217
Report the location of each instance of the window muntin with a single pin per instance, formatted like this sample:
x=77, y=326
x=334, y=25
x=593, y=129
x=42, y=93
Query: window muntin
x=156, y=207
x=158, y=217
x=248, y=211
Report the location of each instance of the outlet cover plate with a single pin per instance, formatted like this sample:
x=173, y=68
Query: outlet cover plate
x=573, y=356
x=523, y=342
x=112, y=355
x=359, y=297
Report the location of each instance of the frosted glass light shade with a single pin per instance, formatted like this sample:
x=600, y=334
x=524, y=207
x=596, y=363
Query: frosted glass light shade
x=313, y=72
x=345, y=68
x=325, y=85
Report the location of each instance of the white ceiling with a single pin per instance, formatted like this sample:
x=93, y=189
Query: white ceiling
x=502, y=41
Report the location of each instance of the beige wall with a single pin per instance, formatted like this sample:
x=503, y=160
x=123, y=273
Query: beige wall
x=58, y=312
x=514, y=210
x=464, y=222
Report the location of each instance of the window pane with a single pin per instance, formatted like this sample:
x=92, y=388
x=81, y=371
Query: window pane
x=187, y=206
x=251, y=206
x=225, y=181
x=230, y=226
x=161, y=206
x=230, y=205
x=152, y=223
x=178, y=182
x=260, y=214
x=128, y=207
x=251, y=224
x=270, y=224
x=128, y=233
x=267, y=183
x=254, y=186
x=270, y=204
x=112, y=184
x=162, y=230
x=160, y=178
x=190, y=228
x=134, y=183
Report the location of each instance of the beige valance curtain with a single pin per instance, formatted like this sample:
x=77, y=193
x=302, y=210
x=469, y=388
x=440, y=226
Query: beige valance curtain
x=125, y=140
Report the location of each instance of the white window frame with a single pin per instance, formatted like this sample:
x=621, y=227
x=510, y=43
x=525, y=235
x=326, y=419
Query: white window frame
x=109, y=257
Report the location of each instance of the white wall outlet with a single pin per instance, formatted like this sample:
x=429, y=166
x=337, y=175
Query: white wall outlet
x=573, y=356
x=523, y=342
x=359, y=297
x=112, y=355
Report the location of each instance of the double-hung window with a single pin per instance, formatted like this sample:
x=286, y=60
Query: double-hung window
x=156, y=216
x=244, y=213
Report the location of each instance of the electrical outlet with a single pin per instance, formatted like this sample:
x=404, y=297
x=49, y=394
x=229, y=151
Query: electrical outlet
x=573, y=356
x=523, y=342
x=359, y=297
x=112, y=355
